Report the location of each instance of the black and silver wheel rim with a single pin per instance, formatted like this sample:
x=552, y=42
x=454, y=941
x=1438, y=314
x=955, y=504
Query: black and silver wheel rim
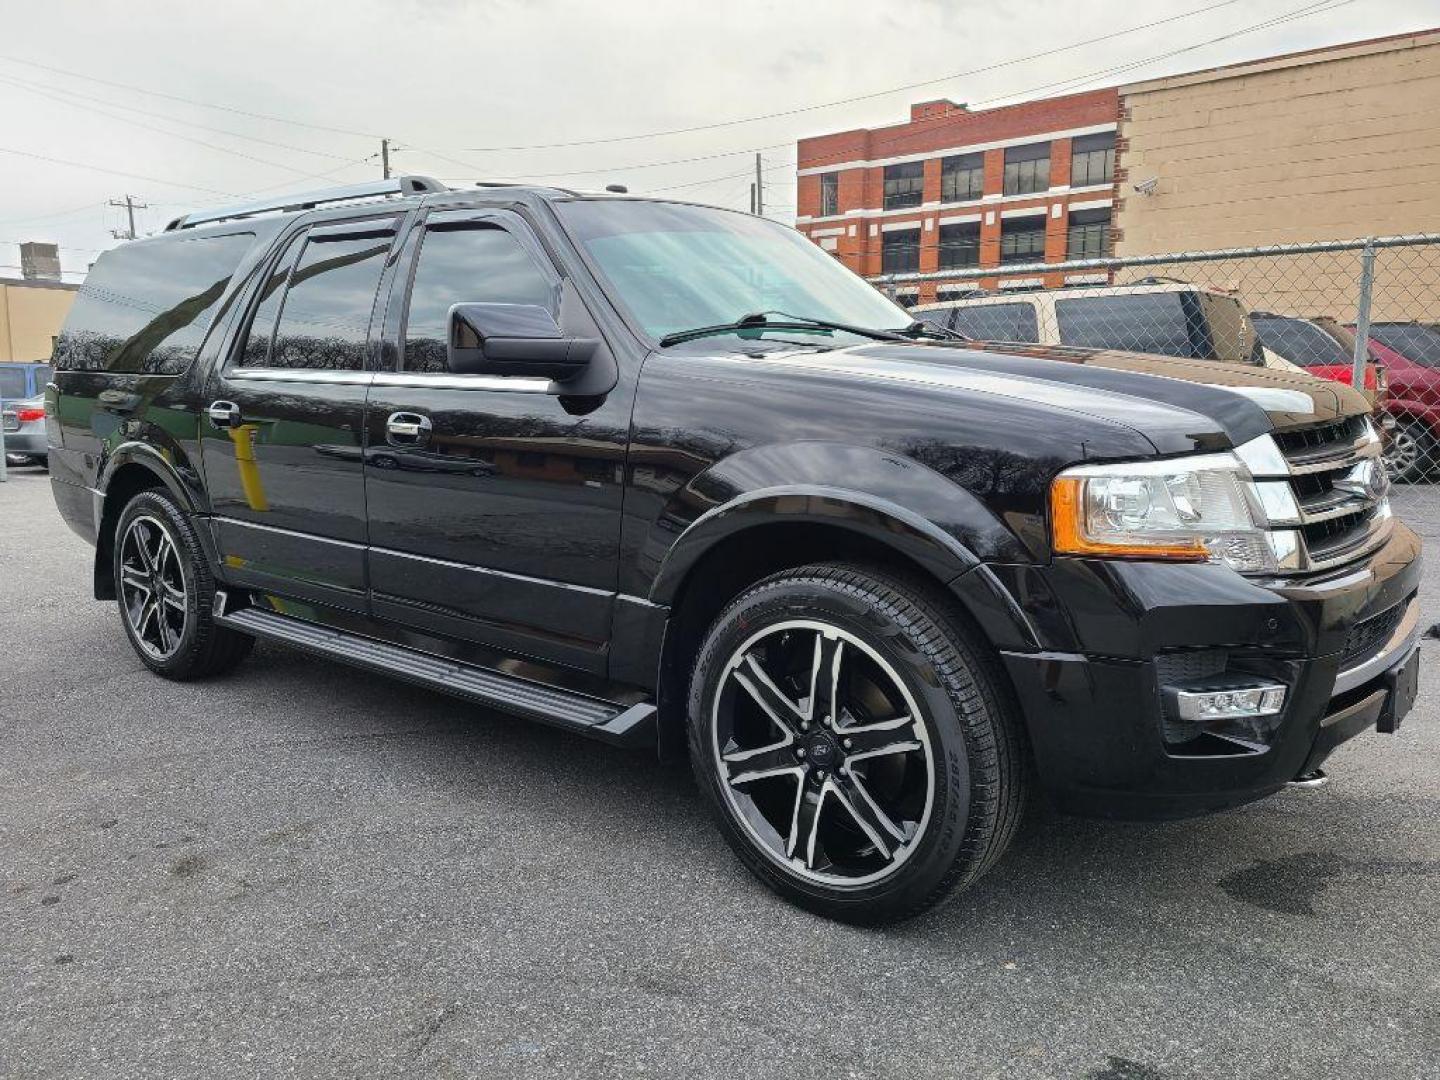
x=152, y=587
x=822, y=753
x=1403, y=452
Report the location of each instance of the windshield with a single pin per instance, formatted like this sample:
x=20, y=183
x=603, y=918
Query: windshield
x=12, y=382
x=674, y=267
x=1418, y=344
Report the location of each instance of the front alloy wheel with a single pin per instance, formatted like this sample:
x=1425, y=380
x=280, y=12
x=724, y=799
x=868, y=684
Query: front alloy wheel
x=825, y=759
x=857, y=740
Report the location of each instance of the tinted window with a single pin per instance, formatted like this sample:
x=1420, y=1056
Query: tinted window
x=465, y=266
x=146, y=307
x=262, y=325
x=325, y=316
x=12, y=381
x=1159, y=322
x=43, y=372
x=936, y=317
x=1418, y=344
x=997, y=322
x=1300, y=342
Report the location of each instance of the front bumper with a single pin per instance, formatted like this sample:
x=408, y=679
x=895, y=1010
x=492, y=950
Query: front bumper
x=1118, y=632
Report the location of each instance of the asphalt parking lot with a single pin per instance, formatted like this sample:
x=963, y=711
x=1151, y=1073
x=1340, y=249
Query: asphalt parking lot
x=302, y=870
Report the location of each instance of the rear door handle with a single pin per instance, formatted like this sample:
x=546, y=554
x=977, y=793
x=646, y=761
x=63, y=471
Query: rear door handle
x=224, y=414
x=407, y=429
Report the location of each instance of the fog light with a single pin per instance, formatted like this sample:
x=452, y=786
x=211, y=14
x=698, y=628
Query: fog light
x=1233, y=701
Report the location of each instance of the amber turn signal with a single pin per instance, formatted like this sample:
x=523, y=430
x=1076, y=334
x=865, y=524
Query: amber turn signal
x=1068, y=536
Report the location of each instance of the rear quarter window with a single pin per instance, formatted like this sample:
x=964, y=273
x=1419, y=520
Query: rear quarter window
x=998, y=322
x=12, y=381
x=145, y=308
x=1161, y=323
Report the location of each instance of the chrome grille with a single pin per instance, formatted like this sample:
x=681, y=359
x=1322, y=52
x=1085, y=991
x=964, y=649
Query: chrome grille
x=1341, y=505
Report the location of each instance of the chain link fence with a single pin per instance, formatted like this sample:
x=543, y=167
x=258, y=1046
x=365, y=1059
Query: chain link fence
x=1364, y=312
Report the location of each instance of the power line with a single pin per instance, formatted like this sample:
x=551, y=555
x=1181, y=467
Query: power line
x=187, y=100
x=909, y=130
x=149, y=127
x=69, y=93
x=115, y=172
x=859, y=97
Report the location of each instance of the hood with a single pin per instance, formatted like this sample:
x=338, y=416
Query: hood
x=1179, y=405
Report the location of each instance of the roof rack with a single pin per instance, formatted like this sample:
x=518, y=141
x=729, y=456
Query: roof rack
x=400, y=185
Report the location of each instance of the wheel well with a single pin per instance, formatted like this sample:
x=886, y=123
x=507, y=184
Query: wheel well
x=124, y=485
x=732, y=566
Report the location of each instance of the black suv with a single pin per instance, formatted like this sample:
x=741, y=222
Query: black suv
x=663, y=474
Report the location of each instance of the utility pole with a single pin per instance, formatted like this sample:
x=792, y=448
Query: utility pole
x=385, y=158
x=130, y=206
x=752, y=197
x=759, y=189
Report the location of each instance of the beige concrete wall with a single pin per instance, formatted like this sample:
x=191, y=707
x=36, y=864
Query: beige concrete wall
x=1335, y=144
x=30, y=317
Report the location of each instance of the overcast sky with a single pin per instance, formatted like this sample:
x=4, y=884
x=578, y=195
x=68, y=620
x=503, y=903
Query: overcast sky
x=451, y=81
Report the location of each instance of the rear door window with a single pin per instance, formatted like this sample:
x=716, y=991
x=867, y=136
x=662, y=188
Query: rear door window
x=146, y=307
x=1300, y=342
x=998, y=322
x=324, y=312
x=12, y=381
x=1160, y=322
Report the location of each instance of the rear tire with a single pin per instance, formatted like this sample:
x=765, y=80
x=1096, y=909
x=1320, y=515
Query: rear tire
x=165, y=592
x=873, y=799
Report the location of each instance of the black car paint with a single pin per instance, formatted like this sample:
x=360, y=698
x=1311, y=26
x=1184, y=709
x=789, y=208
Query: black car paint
x=568, y=567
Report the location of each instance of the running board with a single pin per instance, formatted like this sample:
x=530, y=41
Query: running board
x=608, y=721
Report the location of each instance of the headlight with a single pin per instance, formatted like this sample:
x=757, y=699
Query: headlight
x=1184, y=510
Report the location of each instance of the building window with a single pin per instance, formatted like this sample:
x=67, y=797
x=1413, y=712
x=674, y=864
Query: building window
x=1089, y=235
x=1027, y=169
x=900, y=251
x=959, y=246
x=962, y=178
x=1092, y=159
x=829, y=194
x=1022, y=240
x=904, y=185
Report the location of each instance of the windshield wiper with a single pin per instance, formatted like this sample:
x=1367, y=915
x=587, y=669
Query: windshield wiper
x=760, y=320
x=918, y=329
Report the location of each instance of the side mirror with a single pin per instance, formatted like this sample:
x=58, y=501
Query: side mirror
x=522, y=340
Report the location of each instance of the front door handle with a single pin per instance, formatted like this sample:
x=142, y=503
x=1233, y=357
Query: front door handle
x=224, y=414
x=407, y=429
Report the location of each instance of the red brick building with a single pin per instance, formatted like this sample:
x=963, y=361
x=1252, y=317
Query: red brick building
x=955, y=189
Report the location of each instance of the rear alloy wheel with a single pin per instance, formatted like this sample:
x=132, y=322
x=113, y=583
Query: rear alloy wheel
x=1409, y=452
x=165, y=592
x=856, y=745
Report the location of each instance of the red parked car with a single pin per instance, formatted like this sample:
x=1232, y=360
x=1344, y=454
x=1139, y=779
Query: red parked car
x=1411, y=355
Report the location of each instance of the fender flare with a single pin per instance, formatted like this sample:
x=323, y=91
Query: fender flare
x=945, y=557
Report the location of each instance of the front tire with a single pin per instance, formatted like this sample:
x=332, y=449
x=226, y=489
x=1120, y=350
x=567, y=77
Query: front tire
x=856, y=741
x=165, y=592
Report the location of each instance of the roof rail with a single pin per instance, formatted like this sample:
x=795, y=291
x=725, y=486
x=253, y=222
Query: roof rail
x=400, y=185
